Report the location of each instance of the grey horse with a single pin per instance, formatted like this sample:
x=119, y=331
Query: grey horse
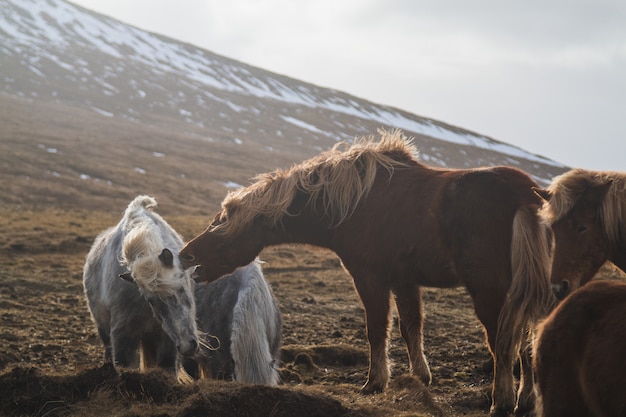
x=146, y=319
x=242, y=325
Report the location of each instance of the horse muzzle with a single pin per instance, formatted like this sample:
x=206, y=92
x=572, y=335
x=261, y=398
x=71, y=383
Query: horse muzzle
x=196, y=274
x=561, y=290
x=188, y=348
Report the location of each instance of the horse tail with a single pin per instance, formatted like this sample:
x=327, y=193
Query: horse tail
x=135, y=210
x=141, y=201
x=530, y=296
x=256, y=332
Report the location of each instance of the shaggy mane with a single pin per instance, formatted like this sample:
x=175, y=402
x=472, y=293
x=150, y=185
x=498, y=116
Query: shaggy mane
x=141, y=248
x=338, y=178
x=566, y=190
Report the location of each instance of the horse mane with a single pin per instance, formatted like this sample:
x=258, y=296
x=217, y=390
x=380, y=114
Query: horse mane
x=141, y=248
x=566, y=190
x=338, y=178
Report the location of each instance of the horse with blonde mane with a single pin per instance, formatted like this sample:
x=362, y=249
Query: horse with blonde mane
x=587, y=213
x=397, y=225
x=139, y=296
x=579, y=354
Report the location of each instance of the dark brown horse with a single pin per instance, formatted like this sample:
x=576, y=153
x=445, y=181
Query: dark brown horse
x=396, y=225
x=587, y=212
x=579, y=354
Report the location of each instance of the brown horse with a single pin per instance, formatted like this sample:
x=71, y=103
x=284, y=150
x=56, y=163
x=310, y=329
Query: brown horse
x=579, y=354
x=396, y=225
x=587, y=212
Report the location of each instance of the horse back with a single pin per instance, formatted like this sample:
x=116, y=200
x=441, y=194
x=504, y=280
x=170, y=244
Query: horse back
x=486, y=197
x=436, y=223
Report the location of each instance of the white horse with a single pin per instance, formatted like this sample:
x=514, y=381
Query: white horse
x=147, y=318
x=243, y=325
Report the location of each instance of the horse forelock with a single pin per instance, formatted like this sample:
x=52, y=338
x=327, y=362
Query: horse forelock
x=567, y=189
x=562, y=198
x=335, y=181
x=141, y=248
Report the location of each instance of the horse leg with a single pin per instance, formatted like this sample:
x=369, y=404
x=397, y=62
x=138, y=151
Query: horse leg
x=147, y=355
x=166, y=353
x=125, y=349
x=375, y=298
x=509, y=348
x=409, y=305
x=503, y=391
x=526, y=398
x=106, y=340
x=192, y=367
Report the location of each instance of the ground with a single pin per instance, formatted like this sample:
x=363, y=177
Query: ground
x=51, y=356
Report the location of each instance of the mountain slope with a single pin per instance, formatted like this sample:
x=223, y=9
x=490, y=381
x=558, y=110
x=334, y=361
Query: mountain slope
x=95, y=111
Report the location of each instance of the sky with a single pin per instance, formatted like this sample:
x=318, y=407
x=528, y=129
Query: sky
x=548, y=76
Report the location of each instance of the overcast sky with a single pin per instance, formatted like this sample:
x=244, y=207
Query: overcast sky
x=545, y=75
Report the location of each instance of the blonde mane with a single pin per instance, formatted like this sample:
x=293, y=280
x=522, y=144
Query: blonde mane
x=337, y=178
x=567, y=189
x=140, y=254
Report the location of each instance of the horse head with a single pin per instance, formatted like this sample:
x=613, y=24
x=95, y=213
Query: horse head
x=166, y=286
x=581, y=246
x=216, y=252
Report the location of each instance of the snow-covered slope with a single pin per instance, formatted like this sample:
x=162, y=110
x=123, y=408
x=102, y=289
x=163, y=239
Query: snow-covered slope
x=55, y=51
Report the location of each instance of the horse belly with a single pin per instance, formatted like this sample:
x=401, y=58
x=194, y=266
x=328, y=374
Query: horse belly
x=443, y=275
x=416, y=265
x=431, y=267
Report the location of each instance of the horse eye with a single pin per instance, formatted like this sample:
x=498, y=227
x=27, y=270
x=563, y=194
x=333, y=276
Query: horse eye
x=582, y=228
x=217, y=223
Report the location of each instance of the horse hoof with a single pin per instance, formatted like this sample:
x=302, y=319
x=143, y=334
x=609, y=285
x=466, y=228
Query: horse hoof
x=369, y=389
x=525, y=411
x=499, y=412
x=426, y=379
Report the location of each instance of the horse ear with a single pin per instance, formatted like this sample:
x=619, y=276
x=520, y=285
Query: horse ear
x=167, y=258
x=543, y=193
x=595, y=193
x=127, y=276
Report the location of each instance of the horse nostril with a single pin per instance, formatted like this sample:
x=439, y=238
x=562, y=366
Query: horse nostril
x=562, y=289
x=187, y=260
x=187, y=257
x=190, y=349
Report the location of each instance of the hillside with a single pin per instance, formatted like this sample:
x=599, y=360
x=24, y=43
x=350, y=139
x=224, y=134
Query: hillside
x=95, y=111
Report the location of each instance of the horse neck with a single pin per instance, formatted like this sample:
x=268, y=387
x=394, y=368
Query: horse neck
x=305, y=228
